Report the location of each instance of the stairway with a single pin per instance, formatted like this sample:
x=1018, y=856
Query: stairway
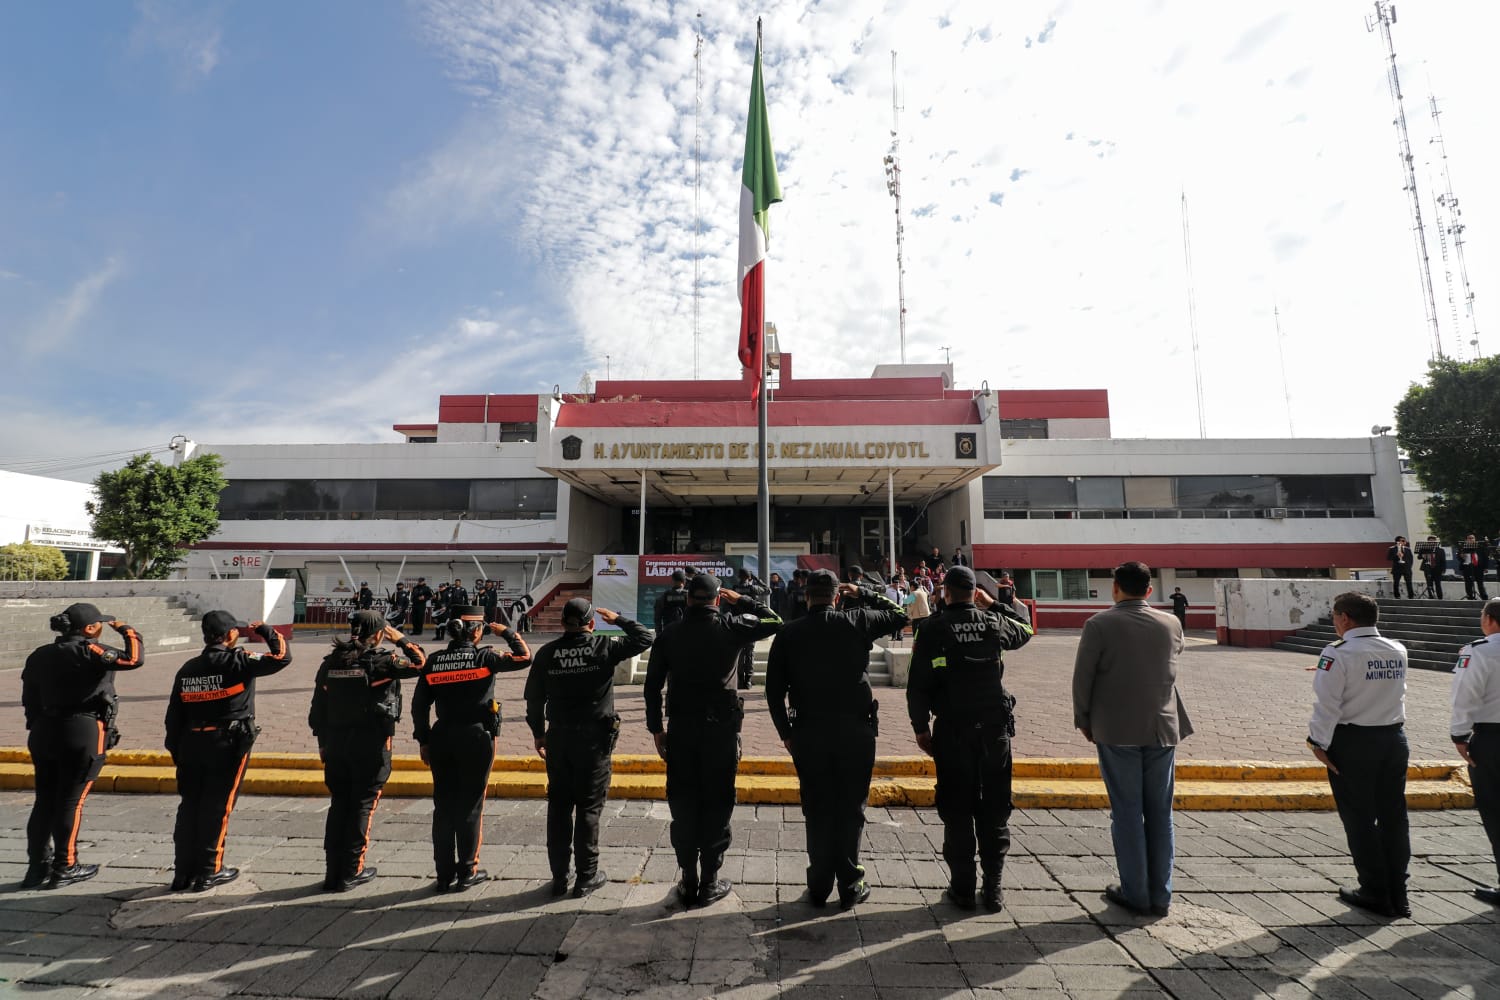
x=547, y=616
x=1431, y=631
x=165, y=624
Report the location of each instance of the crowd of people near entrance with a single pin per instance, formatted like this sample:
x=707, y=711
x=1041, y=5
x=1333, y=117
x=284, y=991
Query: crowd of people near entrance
x=1125, y=702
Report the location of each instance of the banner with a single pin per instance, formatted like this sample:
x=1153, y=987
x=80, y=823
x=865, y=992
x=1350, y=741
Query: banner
x=615, y=585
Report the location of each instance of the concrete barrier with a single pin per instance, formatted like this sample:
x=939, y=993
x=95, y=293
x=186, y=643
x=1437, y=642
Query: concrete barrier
x=1258, y=612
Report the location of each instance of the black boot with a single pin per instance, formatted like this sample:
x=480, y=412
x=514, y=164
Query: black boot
x=991, y=893
x=36, y=874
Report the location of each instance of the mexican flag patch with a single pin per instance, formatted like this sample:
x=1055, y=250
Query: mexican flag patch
x=1463, y=662
x=1325, y=662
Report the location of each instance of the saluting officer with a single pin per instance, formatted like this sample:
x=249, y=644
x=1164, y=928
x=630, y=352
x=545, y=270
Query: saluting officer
x=671, y=606
x=697, y=660
x=821, y=662
x=68, y=695
x=570, y=707
x=356, y=704
x=459, y=682
x=420, y=595
x=750, y=586
x=1476, y=727
x=210, y=728
x=1357, y=731
x=957, y=675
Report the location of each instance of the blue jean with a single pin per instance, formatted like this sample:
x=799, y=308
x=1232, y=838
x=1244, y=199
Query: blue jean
x=1140, y=782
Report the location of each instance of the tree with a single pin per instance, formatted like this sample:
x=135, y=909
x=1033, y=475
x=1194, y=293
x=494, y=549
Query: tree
x=1450, y=430
x=153, y=511
x=28, y=561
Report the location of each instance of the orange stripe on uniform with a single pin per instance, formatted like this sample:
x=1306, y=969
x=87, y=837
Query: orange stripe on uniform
x=359, y=865
x=228, y=808
x=455, y=676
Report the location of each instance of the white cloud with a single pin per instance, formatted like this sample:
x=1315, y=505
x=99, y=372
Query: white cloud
x=188, y=35
x=72, y=311
x=1045, y=148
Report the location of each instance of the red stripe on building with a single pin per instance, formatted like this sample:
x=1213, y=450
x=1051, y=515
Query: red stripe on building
x=500, y=409
x=387, y=546
x=1186, y=556
x=1053, y=404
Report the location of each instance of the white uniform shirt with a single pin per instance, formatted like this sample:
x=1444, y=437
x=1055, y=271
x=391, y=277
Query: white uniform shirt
x=1476, y=686
x=1360, y=681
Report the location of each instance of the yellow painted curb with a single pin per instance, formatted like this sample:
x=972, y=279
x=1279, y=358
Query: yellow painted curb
x=899, y=781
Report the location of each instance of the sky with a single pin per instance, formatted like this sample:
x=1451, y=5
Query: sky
x=276, y=221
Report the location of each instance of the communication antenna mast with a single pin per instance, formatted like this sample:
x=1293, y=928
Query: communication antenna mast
x=1450, y=224
x=697, y=166
x=1384, y=17
x=893, y=185
x=1192, y=304
x=1286, y=387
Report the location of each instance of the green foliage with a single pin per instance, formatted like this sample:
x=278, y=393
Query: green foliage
x=153, y=511
x=1450, y=429
x=27, y=561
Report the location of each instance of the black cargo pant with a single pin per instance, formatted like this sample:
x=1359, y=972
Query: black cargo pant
x=461, y=757
x=67, y=753
x=418, y=617
x=973, y=797
x=356, y=766
x=835, y=757
x=210, y=766
x=703, y=756
x=1370, y=792
x=578, y=772
x=747, y=667
x=1484, y=747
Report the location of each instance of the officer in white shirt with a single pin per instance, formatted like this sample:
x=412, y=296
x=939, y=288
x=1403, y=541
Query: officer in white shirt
x=1476, y=726
x=1357, y=731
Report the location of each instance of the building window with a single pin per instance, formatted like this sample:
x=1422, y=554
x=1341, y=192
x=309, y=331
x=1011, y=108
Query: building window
x=388, y=499
x=1023, y=428
x=1052, y=584
x=1206, y=574
x=1193, y=497
x=510, y=431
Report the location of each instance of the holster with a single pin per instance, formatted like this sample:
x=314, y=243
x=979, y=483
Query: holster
x=612, y=728
x=243, y=732
x=109, y=712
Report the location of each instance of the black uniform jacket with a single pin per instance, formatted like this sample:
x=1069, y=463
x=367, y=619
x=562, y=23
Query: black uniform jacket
x=218, y=685
x=460, y=683
x=75, y=674
x=700, y=655
x=421, y=593
x=956, y=666
x=670, y=607
x=361, y=687
x=573, y=678
x=822, y=660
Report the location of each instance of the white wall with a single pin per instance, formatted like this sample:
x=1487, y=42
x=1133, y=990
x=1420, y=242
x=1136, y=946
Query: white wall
x=269, y=601
x=1280, y=605
x=26, y=500
x=1077, y=427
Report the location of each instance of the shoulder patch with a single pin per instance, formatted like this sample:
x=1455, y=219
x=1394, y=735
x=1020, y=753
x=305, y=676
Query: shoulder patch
x=1463, y=662
x=1325, y=662
x=109, y=655
x=1480, y=642
x=750, y=619
x=1338, y=642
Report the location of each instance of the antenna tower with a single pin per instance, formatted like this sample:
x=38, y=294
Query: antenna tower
x=1286, y=387
x=1192, y=304
x=697, y=166
x=1449, y=223
x=893, y=185
x=1384, y=17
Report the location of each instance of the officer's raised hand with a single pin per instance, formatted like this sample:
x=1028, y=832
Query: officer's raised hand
x=392, y=633
x=496, y=628
x=727, y=596
x=607, y=615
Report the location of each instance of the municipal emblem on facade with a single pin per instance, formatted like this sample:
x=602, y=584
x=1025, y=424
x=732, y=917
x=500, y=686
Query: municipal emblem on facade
x=965, y=444
x=572, y=448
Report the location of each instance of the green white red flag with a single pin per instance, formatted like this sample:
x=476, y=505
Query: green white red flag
x=759, y=190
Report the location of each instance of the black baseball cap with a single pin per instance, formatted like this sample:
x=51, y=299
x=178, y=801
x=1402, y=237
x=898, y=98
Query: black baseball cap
x=678, y=576
x=704, y=585
x=577, y=611
x=217, y=623
x=79, y=615
x=823, y=581
x=366, y=623
x=854, y=573
x=470, y=614
x=960, y=578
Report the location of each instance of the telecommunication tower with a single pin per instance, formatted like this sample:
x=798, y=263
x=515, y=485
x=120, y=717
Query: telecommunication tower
x=1450, y=229
x=1383, y=18
x=893, y=185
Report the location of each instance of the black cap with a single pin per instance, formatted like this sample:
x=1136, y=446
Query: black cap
x=79, y=615
x=217, y=623
x=366, y=623
x=678, y=576
x=470, y=614
x=854, y=573
x=421, y=579
x=577, y=611
x=823, y=581
x=960, y=578
x=704, y=585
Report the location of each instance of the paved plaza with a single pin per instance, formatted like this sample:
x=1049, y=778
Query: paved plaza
x=1246, y=704
x=1255, y=914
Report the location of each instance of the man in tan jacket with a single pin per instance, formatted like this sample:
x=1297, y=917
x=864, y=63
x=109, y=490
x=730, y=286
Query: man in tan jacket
x=1125, y=702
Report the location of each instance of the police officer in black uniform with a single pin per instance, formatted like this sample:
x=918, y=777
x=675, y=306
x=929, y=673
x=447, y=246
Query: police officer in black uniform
x=956, y=675
x=210, y=728
x=459, y=682
x=356, y=704
x=420, y=595
x=365, y=599
x=68, y=695
x=821, y=663
x=796, y=595
x=400, y=606
x=697, y=661
x=671, y=606
x=754, y=588
x=570, y=707
x=457, y=594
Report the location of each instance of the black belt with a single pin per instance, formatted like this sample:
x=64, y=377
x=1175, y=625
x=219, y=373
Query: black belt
x=1393, y=727
x=1487, y=727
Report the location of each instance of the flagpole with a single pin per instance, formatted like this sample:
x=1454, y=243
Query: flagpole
x=763, y=488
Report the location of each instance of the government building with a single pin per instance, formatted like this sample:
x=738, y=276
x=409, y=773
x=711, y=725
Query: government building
x=533, y=489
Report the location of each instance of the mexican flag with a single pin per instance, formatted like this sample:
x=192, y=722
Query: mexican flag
x=758, y=192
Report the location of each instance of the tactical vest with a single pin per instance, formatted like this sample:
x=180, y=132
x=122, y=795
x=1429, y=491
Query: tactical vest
x=970, y=665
